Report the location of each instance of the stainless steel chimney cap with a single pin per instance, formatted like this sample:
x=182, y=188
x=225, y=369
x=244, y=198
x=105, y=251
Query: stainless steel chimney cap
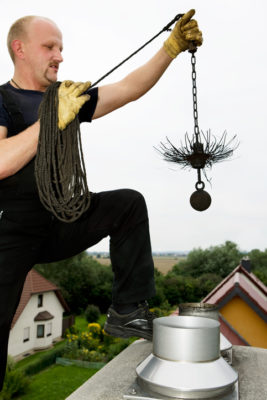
x=192, y=339
x=186, y=360
x=184, y=379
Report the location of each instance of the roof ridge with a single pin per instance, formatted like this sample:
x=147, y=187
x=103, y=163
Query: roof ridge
x=35, y=283
x=220, y=284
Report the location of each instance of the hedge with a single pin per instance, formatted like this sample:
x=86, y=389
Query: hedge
x=45, y=361
x=80, y=363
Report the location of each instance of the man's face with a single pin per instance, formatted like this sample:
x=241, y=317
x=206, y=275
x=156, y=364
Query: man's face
x=42, y=51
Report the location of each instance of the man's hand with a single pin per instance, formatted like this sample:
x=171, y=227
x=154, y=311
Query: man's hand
x=183, y=34
x=70, y=101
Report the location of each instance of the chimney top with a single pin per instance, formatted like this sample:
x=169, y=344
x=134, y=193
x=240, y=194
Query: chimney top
x=245, y=262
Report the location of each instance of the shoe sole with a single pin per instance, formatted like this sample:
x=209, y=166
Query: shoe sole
x=124, y=332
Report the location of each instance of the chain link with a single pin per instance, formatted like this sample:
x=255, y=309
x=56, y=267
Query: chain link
x=200, y=184
x=194, y=91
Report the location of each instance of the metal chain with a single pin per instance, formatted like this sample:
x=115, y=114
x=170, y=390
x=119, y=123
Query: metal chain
x=200, y=185
x=194, y=91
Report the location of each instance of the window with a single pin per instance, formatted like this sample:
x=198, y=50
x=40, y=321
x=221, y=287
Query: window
x=40, y=300
x=49, y=329
x=26, y=334
x=40, y=331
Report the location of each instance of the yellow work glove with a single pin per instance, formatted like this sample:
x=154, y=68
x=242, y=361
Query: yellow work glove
x=70, y=101
x=183, y=34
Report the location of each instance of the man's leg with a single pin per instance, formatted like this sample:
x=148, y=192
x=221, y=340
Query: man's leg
x=9, y=300
x=20, y=236
x=121, y=214
x=13, y=271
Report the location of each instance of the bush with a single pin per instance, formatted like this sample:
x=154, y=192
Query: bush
x=94, y=345
x=45, y=361
x=117, y=347
x=92, y=313
x=82, y=281
x=162, y=311
x=72, y=330
x=15, y=382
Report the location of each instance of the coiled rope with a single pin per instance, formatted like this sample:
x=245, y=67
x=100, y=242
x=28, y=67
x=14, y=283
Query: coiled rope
x=59, y=165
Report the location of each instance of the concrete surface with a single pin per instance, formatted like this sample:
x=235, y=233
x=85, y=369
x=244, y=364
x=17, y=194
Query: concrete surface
x=112, y=381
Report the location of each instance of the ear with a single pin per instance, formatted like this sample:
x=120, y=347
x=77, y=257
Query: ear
x=18, y=48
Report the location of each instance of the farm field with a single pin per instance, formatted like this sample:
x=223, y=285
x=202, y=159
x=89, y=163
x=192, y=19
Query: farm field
x=163, y=264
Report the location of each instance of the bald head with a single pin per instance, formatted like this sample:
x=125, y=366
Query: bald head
x=19, y=30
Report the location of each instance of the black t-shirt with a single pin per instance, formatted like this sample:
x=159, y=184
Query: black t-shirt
x=29, y=102
x=22, y=186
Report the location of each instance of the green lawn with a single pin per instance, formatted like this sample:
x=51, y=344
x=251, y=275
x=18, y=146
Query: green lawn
x=57, y=382
x=81, y=324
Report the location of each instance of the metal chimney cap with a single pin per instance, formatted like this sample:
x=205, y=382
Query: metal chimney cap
x=186, y=380
x=192, y=339
x=186, y=360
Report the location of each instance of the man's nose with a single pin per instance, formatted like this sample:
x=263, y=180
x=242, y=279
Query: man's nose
x=58, y=56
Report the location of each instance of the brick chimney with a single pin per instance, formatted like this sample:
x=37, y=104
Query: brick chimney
x=245, y=262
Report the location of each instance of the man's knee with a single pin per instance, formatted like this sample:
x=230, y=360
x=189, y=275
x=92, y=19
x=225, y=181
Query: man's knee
x=134, y=196
x=136, y=201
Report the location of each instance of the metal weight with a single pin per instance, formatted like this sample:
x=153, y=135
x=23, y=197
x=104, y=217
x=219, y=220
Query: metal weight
x=200, y=200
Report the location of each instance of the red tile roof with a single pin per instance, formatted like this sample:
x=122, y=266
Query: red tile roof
x=251, y=286
x=36, y=283
x=246, y=281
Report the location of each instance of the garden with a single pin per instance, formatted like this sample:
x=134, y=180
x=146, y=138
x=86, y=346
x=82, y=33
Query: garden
x=57, y=372
x=86, y=347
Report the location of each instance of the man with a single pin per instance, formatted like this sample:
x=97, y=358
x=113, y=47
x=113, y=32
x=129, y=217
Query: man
x=29, y=234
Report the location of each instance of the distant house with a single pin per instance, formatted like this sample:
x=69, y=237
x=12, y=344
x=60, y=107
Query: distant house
x=38, y=319
x=242, y=301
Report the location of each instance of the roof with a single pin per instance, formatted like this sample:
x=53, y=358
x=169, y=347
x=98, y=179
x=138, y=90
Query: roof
x=247, y=282
x=35, y=283
x=246, y=285
x=43, y=316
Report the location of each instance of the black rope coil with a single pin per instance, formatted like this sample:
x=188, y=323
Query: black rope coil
x=59, y=165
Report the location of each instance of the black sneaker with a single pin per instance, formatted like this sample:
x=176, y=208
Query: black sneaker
x=137, y=323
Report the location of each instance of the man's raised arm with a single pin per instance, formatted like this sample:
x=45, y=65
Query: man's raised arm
x=140, y=81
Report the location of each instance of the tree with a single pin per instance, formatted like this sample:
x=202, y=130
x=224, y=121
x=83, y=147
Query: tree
x=219, y=260
x=82, y=281
x=258, y=261
x=180, y=289
x=160, y=297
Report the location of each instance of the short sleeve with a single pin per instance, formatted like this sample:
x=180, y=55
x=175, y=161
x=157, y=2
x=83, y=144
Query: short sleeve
x=4, y=117
x=87, y=111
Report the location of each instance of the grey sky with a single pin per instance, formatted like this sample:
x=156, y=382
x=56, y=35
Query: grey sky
x=231, y=81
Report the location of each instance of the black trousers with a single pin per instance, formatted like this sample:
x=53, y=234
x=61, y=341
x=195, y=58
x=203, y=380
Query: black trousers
x=28, y=237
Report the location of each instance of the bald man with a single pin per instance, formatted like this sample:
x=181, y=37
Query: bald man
x=29, y=234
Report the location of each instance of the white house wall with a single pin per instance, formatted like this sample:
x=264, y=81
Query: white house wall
x=51, y=304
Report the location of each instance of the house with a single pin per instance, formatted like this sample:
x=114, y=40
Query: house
x=38, y=319
x=242, y=301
